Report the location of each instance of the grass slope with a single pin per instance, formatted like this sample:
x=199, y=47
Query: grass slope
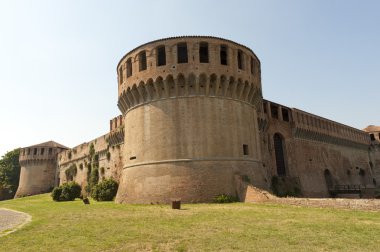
x=106, y=226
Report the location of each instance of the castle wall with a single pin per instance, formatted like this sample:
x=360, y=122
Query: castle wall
x=108, y=148
x=314, y=146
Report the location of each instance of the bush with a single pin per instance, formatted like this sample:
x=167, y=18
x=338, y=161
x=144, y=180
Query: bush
x=224, y=198
x=105, y=190
x=66, y=192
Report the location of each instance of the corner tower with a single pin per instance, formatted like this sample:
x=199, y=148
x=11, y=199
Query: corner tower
x=38, y=168
x=189, y=105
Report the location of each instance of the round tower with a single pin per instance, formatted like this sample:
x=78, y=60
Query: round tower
x=189, y=105
x=38, y=168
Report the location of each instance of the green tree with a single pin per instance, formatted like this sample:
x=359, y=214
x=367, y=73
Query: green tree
x=9, y=174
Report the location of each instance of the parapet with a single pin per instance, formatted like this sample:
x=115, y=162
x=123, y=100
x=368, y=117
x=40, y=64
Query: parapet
x=41, y=152
x=188, y=66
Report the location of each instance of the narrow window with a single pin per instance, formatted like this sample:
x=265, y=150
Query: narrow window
x=142, y=61
x=50, y=151
x=161, y=56
x=252, y=65
x=131, y=158
x=28, y=151
x=129, y=67
x=285, y=114
x=35, y=151
x=245, y=149
x=42, y=151
x=223, y=55
x=379, y=136
x=203, y=53
x=182, y=53
x=240, y=59
x=265, y=107
x=372, y=137
x=274, y=111
x=121, y=75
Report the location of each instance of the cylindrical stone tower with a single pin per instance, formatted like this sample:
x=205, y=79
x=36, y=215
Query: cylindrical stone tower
x=189, y=105
x=38, y=168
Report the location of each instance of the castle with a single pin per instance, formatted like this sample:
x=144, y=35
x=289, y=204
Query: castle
x=194, y=125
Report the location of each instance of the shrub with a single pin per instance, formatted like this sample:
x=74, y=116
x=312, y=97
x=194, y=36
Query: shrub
x=224, y=198
x=105, y=190
x=66, y=192
x=71, y=172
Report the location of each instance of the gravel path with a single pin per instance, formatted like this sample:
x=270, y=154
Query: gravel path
x=11, y=220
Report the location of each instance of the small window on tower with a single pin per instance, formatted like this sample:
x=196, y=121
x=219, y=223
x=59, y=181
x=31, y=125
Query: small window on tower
x=142, y=61
x=161, y=56
x=182, y=53
x=372, y=137
x=245, y=149
x=203, y=53
x=240, y=59
x=129, y=67
x=223, y=55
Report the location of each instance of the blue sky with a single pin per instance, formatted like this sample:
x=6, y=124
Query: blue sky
x=58, y=58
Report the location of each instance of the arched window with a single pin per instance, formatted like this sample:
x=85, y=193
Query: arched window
x=142, y=61
x=161, y=56
x=203, y=53
x=240, y=59
x=129, y=67
x=182, y=53
x=223, y=55
x=279, y=152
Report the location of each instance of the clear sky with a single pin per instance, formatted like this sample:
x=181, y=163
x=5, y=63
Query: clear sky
x=58, y=58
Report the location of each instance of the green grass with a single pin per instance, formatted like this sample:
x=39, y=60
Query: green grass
x=106, y=226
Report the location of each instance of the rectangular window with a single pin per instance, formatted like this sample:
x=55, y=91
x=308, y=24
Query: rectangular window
x=121, y=75
x=161, y=56
x=182, y=53
x=223, y=55
x=274, y=111
x=203, y=53
x=285, y=114
x=50, y=151
x=129, y=67
x=131, y=158
x=42, y=151
x=142, y=61
x=240, y=59
x=252, y=65
x=35, y=151
x=245, y=149
x=265, y=107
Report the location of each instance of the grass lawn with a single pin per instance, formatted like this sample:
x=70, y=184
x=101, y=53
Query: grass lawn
x=106, y=226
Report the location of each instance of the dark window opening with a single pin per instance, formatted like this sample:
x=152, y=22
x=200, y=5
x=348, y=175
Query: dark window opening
x=42, y=151
x=203, y=53
x=35, y=151
x=121, y=75
x=182, y=53
x=131, y=158
x=161, y=56
x=129, y=67
x=372, y=137
x=279, y=153
x=50, y=151
x=252, y=65
x=142, y=61
x=265, y=107
x=379, y=135
x=240, y=60
x=223, y=55
x=274, y=111
x=245, y=149
x=328, y=179
x=285, y=114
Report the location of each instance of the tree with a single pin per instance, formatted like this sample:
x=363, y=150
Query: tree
x=9, y=174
